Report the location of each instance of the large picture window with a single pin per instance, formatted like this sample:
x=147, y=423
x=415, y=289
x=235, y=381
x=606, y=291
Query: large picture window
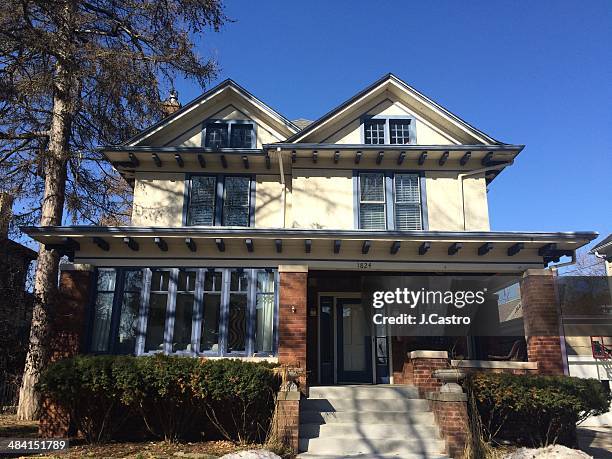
x=206, y=311
x=225, y=200
x=389, y=201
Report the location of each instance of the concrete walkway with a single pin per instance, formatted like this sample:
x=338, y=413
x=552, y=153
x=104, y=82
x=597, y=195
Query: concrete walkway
x=596, y=441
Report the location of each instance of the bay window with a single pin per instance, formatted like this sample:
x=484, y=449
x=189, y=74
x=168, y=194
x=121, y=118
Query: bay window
x=192, y=311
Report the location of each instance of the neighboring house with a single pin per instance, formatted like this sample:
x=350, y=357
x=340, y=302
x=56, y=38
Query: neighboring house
x=15, y=306
x=251, y=234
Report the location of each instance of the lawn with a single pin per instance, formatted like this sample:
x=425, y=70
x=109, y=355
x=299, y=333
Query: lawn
x=11, y=427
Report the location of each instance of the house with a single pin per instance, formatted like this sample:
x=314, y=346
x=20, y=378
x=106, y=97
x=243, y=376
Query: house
x=15, y=306
x=251, y=234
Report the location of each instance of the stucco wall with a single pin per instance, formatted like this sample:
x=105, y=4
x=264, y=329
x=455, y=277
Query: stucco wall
x=158, y=199
x=269, y=201
x=445, y=203
x=320, y=200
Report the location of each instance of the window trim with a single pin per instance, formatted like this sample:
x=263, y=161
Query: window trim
x=229, y=123
x=197, y=316
x=220, y=192
x=387, y=118
x=389, y=177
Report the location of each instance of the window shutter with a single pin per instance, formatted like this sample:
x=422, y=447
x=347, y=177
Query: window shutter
x=202, y=201
x=407, y=202
x=236, y=201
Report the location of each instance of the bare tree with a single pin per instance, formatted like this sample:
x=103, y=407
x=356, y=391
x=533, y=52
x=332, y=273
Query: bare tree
x=76, y=74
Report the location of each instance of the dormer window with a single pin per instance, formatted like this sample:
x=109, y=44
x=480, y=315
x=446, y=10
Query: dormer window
x=229, y=134
x=390, y=131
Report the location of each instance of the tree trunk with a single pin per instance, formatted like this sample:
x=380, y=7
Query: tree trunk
x=46, y=279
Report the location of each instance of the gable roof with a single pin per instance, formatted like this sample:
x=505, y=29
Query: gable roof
x=225, y=85
x=386, y=80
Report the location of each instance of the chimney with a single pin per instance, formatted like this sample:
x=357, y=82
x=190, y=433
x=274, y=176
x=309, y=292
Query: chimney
x=171, y=104
x=6, y=211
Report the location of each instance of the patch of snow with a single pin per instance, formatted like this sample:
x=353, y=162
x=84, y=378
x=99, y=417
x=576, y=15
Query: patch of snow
x=550, y=452
x=252, y=454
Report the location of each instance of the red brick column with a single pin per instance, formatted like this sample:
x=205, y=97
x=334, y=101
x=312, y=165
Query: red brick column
x=541, y=320
x=292, y=319
x=420, y=367
x=450, y=412
x=67, y=332
x=287, y=419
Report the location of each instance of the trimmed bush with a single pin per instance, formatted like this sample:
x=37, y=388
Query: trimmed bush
x=238, y=397
x=174, y=397
x=86, y=387
x=535, y=410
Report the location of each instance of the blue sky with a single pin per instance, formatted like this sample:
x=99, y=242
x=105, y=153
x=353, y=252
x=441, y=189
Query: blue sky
x=534, y=73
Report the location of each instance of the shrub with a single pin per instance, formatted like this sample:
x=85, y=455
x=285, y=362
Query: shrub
x=85, y=386
x=174, y=397
x=535, y=410
x=238, y=397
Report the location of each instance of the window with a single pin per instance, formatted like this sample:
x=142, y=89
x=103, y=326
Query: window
x=264, y=309
x=232, y=134
x=202, y=200
x=192, y=311
x=407, y=202
x=374, y=132
x=389, y=201
x=400, y=131
x=378, y=131
x=220, y=200
x=102, y=310
x=372, y=201
x=236, y=197
x=157, y=312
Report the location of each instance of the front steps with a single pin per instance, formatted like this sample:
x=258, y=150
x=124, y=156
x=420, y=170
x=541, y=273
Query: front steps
x=358, y=422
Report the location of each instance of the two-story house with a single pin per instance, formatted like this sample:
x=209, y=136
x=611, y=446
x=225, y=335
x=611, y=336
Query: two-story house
x=251, y=234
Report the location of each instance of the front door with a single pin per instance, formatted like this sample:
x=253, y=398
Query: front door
x=353, y=343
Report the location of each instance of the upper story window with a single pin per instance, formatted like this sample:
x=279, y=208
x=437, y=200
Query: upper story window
x=220, y=200
x=229, y=134
x=390, y=201
x=393, y=131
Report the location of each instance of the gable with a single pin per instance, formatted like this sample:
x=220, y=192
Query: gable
x=386, y=105
x=390, y=96
x=227, y=101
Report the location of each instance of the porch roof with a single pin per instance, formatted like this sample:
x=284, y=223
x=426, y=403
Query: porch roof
x=314, y=247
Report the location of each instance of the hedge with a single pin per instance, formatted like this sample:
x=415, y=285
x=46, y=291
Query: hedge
x=534, y=410
x=171, y=397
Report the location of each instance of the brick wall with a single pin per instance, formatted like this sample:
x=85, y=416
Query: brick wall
x=292, y=319
x=450, y=412
x=541, y=320
x=67, y=333
x=287, y=419
x=418, y=368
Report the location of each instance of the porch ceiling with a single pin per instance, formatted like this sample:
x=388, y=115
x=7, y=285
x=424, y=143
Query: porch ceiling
x=306, y=246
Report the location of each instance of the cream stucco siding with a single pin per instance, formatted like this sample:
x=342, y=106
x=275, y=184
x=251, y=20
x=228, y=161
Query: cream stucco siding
x=322, y=199
x=269, y=201
x=158, y=199
x=446, y=202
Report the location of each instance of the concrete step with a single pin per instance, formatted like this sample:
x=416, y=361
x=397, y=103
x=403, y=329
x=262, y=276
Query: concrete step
x=378, y=431
x=356, y=392
x=364, y=417
x=371, y=456
x=364, y=404
x=348, y=446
